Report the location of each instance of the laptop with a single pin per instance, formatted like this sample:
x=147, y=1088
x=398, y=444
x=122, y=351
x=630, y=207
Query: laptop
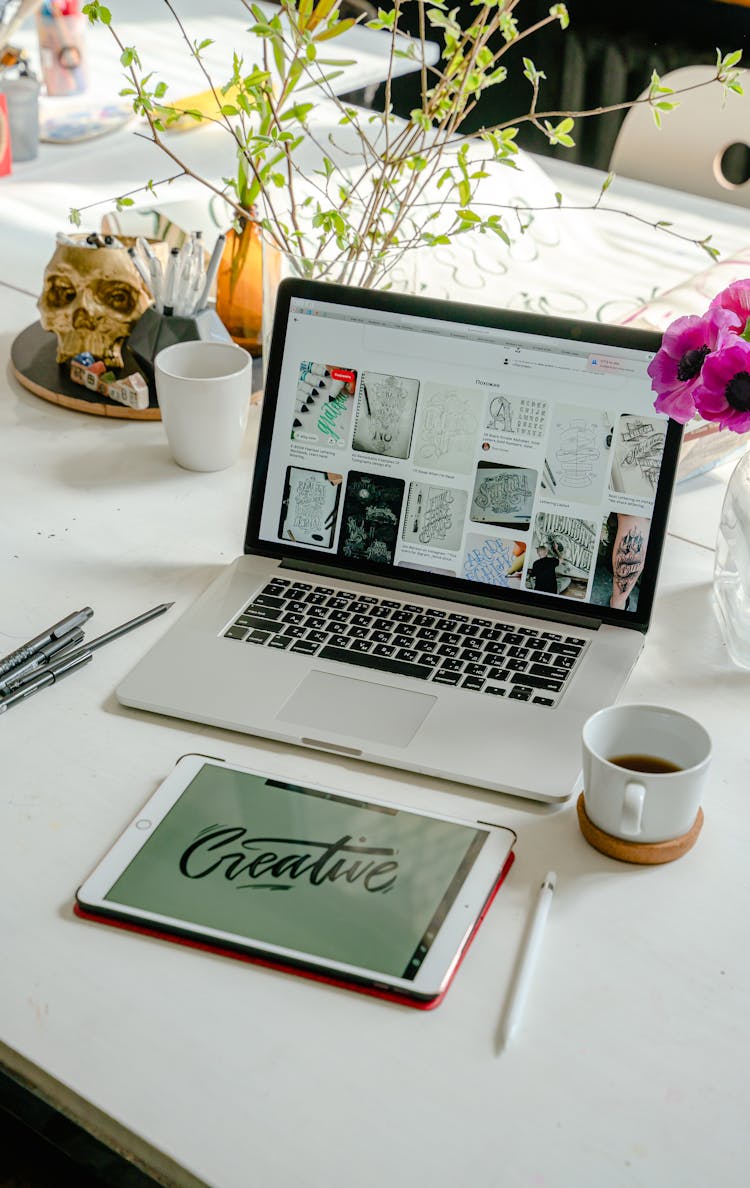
x=456, y=522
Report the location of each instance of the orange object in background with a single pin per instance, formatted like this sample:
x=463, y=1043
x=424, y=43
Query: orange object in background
x=239, y=287
x=5, y=156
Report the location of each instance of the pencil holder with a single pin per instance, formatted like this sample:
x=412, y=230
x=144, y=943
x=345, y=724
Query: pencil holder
x=154, y=331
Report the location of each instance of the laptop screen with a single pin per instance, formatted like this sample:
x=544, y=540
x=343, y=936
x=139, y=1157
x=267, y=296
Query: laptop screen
x=511, y=457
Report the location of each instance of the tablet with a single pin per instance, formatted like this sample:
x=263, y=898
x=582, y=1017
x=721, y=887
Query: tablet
x=369, y=894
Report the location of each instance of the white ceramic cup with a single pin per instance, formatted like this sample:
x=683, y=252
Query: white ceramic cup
x=637, y=805
x=203, y=390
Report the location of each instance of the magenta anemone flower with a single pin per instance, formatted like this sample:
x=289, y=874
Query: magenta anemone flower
x=676, y=369
x=735, y=297
x=723, y=393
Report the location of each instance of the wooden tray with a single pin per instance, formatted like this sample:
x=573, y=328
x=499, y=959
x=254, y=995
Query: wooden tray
x=32, y=357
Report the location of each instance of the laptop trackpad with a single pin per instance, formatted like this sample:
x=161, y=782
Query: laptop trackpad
x=345, y=705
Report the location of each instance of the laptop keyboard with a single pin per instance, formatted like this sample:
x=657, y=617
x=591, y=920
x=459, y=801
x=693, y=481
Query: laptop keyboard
x=469, y=652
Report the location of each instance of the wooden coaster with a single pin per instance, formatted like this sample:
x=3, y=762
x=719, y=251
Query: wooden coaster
x=34, y=364
x=644, y=853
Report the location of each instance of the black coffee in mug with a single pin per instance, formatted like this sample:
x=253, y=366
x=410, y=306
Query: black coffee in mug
x=651, y=764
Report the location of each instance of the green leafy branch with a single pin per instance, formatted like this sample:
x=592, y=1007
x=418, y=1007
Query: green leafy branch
x=382, y=185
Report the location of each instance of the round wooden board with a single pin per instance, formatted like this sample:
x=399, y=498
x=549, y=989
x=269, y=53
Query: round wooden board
x=644, y=853
x=34, y=363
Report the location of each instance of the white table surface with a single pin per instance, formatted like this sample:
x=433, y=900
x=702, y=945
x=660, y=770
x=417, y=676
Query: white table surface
x=630, y=1065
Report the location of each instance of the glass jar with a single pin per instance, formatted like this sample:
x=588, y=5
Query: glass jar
x=732, y=565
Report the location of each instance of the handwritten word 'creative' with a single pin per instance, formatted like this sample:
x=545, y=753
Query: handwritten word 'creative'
x=228, y=849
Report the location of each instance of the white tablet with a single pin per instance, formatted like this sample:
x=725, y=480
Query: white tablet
x=365, y=893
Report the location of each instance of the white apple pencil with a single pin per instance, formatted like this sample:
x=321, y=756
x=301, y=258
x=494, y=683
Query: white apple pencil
x=527, y=959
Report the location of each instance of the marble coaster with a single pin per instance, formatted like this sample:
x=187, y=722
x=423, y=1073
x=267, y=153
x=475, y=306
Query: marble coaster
x=644, y=853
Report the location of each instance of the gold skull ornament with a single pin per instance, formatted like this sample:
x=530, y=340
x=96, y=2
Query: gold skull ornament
x=91, y=300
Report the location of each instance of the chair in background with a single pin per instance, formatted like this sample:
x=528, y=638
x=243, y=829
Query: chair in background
x=703, y=145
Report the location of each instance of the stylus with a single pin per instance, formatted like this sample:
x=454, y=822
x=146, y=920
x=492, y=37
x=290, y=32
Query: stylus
x=77, y=619
x=527, y=959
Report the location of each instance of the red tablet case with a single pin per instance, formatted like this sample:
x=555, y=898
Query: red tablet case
x=253, y=959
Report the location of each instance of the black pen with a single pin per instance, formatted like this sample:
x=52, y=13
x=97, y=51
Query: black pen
x=40, y=680
x=71, y=639
x=77, y=619
x=67, y=662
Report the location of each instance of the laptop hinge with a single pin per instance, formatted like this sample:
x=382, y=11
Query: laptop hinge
x=471, y=599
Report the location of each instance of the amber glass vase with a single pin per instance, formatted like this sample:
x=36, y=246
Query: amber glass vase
x=239, y=286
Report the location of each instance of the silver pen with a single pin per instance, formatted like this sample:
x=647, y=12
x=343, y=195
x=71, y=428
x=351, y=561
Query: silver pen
x=71, y=639
x=77, y=619
x=51, y=674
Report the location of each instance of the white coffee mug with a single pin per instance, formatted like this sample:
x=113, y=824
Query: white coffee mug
x=624, y=798
x=203, y=390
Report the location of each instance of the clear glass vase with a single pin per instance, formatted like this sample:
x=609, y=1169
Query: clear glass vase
x=732, y=565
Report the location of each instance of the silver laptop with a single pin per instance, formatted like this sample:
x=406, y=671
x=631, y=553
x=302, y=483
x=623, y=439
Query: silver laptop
x=455, y=528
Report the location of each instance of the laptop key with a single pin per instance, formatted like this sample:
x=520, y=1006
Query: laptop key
x=442, y=677
x=474, y=655
x=360, y=645
x=305, y=647
x=477, y=670
x=340, y=641
x=523, y=678
x=407, y=654
x=544, y=701
x=317, y=622
x=260, y=624
x=428, y=658
x=280, y=641
x=550, y=671
x=236, y=633
x=452, y=665
x=317, y=637
x=565, y=649
x=257, y=637
x=267, y=600
x=450, y=637
x=494, y=690
x=403, y=637
x=382, y=649
x=520, y=694
x=445, y=649
x=375, y=662
x=357, y=632
x=471, y=682
x=294, y=632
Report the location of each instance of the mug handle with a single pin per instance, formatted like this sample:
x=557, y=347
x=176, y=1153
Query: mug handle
x=632, y=809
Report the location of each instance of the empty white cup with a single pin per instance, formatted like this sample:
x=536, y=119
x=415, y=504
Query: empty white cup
x=203, y=390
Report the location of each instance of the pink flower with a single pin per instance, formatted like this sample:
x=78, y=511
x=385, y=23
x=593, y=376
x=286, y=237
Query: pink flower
x=676, y=369
x=723, y=393
x=735, y=297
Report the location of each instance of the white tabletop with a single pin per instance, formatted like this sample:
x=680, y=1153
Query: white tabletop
x=630, y=1064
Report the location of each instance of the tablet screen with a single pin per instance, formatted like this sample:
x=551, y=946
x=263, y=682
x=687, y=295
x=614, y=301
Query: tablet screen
x=363, y=884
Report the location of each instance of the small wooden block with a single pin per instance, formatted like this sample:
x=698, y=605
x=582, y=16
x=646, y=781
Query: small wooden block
x=644, y=853
x=34, y=364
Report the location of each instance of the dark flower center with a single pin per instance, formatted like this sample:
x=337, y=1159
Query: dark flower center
x=691, y=363
x=737, y=392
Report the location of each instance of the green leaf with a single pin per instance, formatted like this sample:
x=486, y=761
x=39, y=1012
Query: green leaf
x=74, y=216
x=464, y=192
